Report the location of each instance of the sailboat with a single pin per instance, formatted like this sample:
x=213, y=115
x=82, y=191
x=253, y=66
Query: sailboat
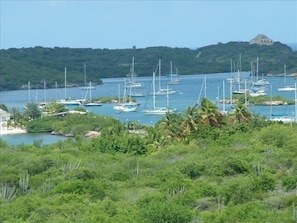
x=68, y=101
x=238, y=81
x=258, y=85
x=86, y=87
x=91, y=102
x=241, y=90
x=173, y=77
x=158, y=110
x=286, y=87
x=260, y=82
x=162, y=91
x=284, y=118
x=132, y=83
x=124, y=106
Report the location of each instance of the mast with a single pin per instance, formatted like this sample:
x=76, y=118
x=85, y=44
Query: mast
x=56, y=86
x=224, y=97
x=29, y=91
x=285, y=74
x=44, y=91
x=132, y=70
x=270, y=101
x=167, y=99
x=205, y=86
x=65, y=84
x=257, y=68
x=231, y=82
x=295, y=103
x=85, y=74
x=90, y=84
x=154, y=92
x=159, y=74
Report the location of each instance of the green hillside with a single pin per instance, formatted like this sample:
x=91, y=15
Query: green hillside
x=39, y=64
x=197, y=166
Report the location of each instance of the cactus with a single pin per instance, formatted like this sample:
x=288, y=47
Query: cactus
x=47, y=186
x=258, y=169
x=24, y=183
x=294, y=213
x=8, y=192
x=69, y=166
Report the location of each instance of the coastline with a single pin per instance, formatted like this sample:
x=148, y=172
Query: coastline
x=5, y=131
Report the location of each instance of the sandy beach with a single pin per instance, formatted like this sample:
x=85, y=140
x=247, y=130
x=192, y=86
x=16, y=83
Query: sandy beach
x=5, y=131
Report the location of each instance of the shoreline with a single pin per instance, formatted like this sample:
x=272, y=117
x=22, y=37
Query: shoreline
x=12, y=131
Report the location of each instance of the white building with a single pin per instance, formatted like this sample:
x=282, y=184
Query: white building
x=4, y=116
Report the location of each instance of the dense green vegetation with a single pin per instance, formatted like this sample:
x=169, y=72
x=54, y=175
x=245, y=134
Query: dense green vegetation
x=197, y=166
x=39, y=64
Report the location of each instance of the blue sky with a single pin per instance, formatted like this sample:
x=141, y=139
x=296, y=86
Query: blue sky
x=123, y=24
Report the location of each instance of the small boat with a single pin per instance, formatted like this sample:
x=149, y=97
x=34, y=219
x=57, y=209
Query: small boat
x=88, y=87
x=284, y=119
x=261, y=82
x=164, y=91
x=287, y=88
x=126, y=107
x=241, y=91
x=41, y=105
x=93, y=104
x=137, y=94
x=258, y=93
x=174, y=81
x=69, y=101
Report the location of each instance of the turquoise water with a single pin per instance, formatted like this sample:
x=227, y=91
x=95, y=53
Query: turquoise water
x=32, y=138
x=190, y=90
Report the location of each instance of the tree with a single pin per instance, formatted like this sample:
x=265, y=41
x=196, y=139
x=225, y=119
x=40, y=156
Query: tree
x=209, y=113
x=16, y=115
x=3, y=107
x=189, y=123
x=55, y=108
x=170, y=126
x=241, y=114
x=32, y=111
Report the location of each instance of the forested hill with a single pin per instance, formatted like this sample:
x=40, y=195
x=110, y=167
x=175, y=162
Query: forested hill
x=39, y=64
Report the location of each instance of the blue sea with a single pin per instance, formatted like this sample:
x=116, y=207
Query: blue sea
x=190, y=91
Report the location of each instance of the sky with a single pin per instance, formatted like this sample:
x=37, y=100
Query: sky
x=123, y=24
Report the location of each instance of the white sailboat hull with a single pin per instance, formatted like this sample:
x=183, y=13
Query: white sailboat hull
x=288, y=88
x=159, y=111
x=126, y=107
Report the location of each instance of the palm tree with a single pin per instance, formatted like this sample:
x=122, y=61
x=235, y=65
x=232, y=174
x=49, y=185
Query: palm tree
x=209, y=113
x=170, y=126
x=189, y=123
x=16, y=115
x=240, y=115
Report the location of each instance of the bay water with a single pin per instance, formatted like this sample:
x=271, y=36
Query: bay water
x=190, y=90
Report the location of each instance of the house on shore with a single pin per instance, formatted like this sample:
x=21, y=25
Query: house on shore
x=4, y=116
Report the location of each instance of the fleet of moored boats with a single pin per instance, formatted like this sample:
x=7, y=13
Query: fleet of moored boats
x=254, y=86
